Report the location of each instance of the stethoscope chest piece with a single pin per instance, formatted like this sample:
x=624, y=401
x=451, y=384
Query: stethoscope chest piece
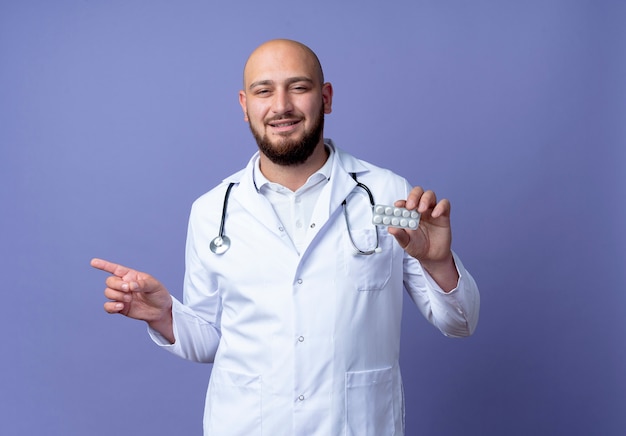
x=220, y=244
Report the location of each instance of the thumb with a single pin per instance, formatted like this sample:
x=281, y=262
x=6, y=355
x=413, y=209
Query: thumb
x=401, y=236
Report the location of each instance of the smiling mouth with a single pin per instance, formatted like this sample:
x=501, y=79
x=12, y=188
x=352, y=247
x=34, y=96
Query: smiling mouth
x=291, y=123
x=283, y=123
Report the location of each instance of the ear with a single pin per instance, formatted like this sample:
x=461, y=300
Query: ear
x=327, y=97
x=242, y=102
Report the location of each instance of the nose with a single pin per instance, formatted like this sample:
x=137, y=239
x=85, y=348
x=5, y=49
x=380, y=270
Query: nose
x=281, y=103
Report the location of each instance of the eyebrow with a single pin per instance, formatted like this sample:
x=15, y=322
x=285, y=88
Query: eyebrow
x=289, y=81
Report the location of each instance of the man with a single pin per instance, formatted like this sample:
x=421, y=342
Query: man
x=304, y=333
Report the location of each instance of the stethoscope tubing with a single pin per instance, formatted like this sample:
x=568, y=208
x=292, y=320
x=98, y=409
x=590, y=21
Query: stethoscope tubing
x=224, y=207
x=221, y=243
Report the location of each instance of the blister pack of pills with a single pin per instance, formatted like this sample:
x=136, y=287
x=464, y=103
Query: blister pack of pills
x=391, y=216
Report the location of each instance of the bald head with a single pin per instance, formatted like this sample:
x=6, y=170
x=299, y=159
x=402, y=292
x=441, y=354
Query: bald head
x=284, y=100
x=274, y=54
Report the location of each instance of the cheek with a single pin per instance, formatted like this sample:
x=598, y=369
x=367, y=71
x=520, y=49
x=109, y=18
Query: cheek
x=255, y=113
x=313, y=108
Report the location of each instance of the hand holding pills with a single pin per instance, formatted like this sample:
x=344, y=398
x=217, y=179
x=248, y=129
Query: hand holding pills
x=430, y=240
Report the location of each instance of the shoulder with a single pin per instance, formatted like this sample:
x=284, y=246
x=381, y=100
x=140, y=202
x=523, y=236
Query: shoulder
x=215, y=196
x=383, y=181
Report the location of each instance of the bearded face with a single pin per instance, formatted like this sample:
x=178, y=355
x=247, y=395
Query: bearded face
x=288, y=150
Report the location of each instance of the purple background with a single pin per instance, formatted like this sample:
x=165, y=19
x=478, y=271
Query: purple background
x=116, y=115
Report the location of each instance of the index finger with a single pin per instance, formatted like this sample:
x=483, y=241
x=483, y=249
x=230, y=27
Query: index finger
x=110, y=267
x=414, y=197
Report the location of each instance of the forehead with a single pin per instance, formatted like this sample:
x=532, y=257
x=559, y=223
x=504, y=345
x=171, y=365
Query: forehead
x=278, y=62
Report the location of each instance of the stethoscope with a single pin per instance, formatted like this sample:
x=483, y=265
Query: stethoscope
x=221, y=243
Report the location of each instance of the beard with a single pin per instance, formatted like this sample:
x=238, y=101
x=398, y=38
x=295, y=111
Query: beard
x=290, y=152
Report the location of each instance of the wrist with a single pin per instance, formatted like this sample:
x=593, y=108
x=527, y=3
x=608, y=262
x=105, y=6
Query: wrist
x=443, y=271
x=164, y=325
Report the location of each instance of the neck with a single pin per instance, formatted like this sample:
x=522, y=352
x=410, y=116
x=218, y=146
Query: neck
x=294, y=176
